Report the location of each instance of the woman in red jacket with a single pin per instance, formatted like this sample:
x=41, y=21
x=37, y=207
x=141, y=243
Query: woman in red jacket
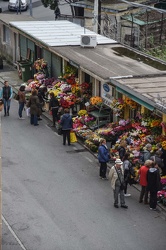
x=143, y=181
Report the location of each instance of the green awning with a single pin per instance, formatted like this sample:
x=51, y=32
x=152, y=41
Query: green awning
x=136, y=99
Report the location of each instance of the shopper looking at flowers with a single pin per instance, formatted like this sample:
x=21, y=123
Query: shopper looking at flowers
x=153, y=184
x=34, y=107
x=53, y=107
x=128, y=171
x=103, y=157
x=67, y=124
x=122, y=149
x=143, y=181
x=21, y=101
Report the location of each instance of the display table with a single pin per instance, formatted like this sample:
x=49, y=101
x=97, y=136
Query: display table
x=102, y=117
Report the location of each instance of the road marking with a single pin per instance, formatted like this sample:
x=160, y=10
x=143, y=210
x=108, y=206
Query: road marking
x=88, y=159
x=13, y=233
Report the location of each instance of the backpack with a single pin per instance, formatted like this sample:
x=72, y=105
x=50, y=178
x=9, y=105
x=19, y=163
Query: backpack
x=17, y=97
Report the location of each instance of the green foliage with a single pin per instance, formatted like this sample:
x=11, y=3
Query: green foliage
x=50, y=3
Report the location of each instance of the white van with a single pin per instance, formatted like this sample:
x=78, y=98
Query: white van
x=12, y=4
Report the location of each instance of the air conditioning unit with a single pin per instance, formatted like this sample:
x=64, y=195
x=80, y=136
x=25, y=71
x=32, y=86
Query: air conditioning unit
x=88, y=40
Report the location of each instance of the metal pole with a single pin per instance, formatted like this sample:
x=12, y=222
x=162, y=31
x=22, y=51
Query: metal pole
x=95, y=14
x=30, y=8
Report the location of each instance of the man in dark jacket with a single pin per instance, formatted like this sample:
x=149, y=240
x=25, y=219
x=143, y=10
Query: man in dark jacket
x=153, y=178
x=103, y=157
x=7, y=93
x=67, y=125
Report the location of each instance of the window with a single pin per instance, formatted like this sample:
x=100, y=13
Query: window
x=6, y=34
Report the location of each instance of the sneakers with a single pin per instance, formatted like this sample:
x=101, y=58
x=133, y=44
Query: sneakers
x=127, y=195
x=154, y=209
x=21, y=118
x=124, y=206
x=115, y=205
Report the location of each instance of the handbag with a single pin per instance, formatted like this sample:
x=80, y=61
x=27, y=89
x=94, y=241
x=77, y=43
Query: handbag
x=122, y=184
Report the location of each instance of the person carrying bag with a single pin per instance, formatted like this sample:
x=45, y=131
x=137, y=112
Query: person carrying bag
x=116, y=175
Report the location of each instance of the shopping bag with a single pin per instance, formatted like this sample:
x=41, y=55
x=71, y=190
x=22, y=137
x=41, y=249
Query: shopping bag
x=73, y=137
x=28, y=112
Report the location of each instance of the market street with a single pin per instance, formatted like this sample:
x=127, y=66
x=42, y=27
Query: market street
x=53, y=198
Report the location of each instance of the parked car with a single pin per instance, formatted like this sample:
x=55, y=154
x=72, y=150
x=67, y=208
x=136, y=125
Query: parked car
x=12, y=5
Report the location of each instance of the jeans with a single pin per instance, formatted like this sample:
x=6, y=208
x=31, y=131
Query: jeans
x=118, y=191
x=21, y=107
x=103, y=169
x=6, y=105
x=33, y=120
x=18, y=10
x=66, y=133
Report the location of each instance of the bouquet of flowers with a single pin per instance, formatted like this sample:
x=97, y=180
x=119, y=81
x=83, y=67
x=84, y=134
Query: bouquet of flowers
x=96, y=100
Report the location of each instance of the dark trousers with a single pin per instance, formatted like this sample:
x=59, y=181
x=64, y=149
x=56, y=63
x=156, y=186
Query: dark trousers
x=103, y=169
x=144, y=194
x=54, y=115
x=153, y=199
x=33, y=120
x=66, y=134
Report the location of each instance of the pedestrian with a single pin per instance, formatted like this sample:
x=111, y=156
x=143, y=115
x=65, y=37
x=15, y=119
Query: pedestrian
x=54, y=107
x=153, y=184
x=42, y=91
x=157, y=159
x=122, y=149
x=67, y=124
x=33, y=103
x=21, y=101
x=103, y=157
x=146, y=153
x=116, y=175
x=7, y=93
x=57, y=12
x=18, y=6
x=128, y=172
x=143, y=181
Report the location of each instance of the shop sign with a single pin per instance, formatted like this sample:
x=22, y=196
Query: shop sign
x=160, y=104
x=106, y=94
x=74, y=64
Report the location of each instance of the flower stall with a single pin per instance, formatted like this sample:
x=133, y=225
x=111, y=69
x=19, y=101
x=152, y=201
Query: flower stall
x=161, y=195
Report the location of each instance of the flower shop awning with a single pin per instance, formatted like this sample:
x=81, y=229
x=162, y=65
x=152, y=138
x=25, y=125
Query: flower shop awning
x=136, y=99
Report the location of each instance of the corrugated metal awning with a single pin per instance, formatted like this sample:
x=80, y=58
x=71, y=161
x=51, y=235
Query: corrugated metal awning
x=58, y=33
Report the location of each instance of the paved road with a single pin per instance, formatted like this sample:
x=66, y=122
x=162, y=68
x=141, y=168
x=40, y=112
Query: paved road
x=54, y=200
x=39, y=12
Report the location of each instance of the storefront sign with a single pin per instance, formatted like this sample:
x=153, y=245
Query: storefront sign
x=106, y=94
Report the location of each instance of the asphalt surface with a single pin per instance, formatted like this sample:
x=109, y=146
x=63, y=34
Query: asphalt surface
x=10, y=241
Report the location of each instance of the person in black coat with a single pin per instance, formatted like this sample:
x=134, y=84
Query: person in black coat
x=122, y=149
x=153, y=179
x=53, y=107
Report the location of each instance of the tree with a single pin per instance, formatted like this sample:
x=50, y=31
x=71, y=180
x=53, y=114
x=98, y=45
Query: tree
x=52, y=4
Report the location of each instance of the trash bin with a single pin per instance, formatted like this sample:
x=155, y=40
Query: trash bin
x=26, y=70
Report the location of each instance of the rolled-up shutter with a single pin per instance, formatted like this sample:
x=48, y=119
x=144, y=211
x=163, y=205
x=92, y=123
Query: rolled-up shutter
x=47, y=58
x=56, y=66
x=23, y=47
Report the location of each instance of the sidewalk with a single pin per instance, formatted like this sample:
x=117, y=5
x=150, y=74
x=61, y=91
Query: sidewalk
x=10, y=73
